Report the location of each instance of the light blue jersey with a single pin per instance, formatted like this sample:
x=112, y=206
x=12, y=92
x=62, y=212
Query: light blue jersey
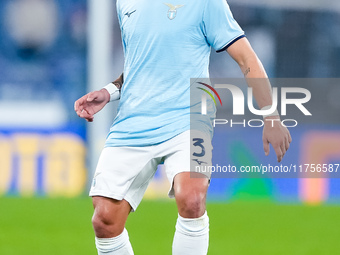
x=165, y=44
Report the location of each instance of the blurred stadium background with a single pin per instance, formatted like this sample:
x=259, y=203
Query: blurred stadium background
x=52, y=52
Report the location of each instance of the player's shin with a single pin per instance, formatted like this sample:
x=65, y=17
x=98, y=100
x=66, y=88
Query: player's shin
x=191, y=236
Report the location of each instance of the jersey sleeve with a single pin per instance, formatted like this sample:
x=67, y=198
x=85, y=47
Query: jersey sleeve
x=220, y=27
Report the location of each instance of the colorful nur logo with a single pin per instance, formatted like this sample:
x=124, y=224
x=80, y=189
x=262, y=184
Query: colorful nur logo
x=209, y=93
x=204, y=98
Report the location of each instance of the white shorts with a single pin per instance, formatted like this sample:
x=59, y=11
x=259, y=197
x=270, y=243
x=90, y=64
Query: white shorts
x=125, y=172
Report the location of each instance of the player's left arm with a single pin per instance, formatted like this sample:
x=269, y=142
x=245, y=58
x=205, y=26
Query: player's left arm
x=273, y=132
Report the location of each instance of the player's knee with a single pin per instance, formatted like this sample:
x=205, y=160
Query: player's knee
x=99, y=223
x=191, y=204
x=109, y=216
x=105, y=225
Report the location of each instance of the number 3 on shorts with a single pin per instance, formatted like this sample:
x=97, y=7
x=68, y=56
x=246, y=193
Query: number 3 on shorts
x=198, y=142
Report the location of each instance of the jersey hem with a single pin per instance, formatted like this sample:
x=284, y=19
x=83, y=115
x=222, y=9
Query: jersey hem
x=102, y=193
x=112, y=142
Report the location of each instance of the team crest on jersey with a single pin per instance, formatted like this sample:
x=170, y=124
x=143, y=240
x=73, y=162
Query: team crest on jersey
x=172, y=12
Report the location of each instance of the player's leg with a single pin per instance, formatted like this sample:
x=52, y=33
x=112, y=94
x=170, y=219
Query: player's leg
x=121, y=178
x=189, y=190
x=192, y=227
x=108, y=222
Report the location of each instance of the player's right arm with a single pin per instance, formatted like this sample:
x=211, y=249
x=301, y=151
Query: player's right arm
x=87, y=106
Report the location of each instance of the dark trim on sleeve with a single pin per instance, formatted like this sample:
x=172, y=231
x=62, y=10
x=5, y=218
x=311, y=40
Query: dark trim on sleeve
x=229, y=44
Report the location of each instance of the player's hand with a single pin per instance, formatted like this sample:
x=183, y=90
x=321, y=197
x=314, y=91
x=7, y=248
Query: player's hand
x=277, y=135
x=91, y=103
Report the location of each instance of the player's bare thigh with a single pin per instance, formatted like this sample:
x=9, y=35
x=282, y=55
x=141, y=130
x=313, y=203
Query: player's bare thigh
x=109, y=216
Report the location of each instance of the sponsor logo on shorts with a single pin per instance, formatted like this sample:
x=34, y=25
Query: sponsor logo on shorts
x=199, y=162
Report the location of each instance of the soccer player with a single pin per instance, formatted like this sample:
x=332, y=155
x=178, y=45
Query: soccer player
x=166, y=44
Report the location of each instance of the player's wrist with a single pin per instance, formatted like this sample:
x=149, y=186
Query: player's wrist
x=274, y=114
x=106, y=95
x=113, y=91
